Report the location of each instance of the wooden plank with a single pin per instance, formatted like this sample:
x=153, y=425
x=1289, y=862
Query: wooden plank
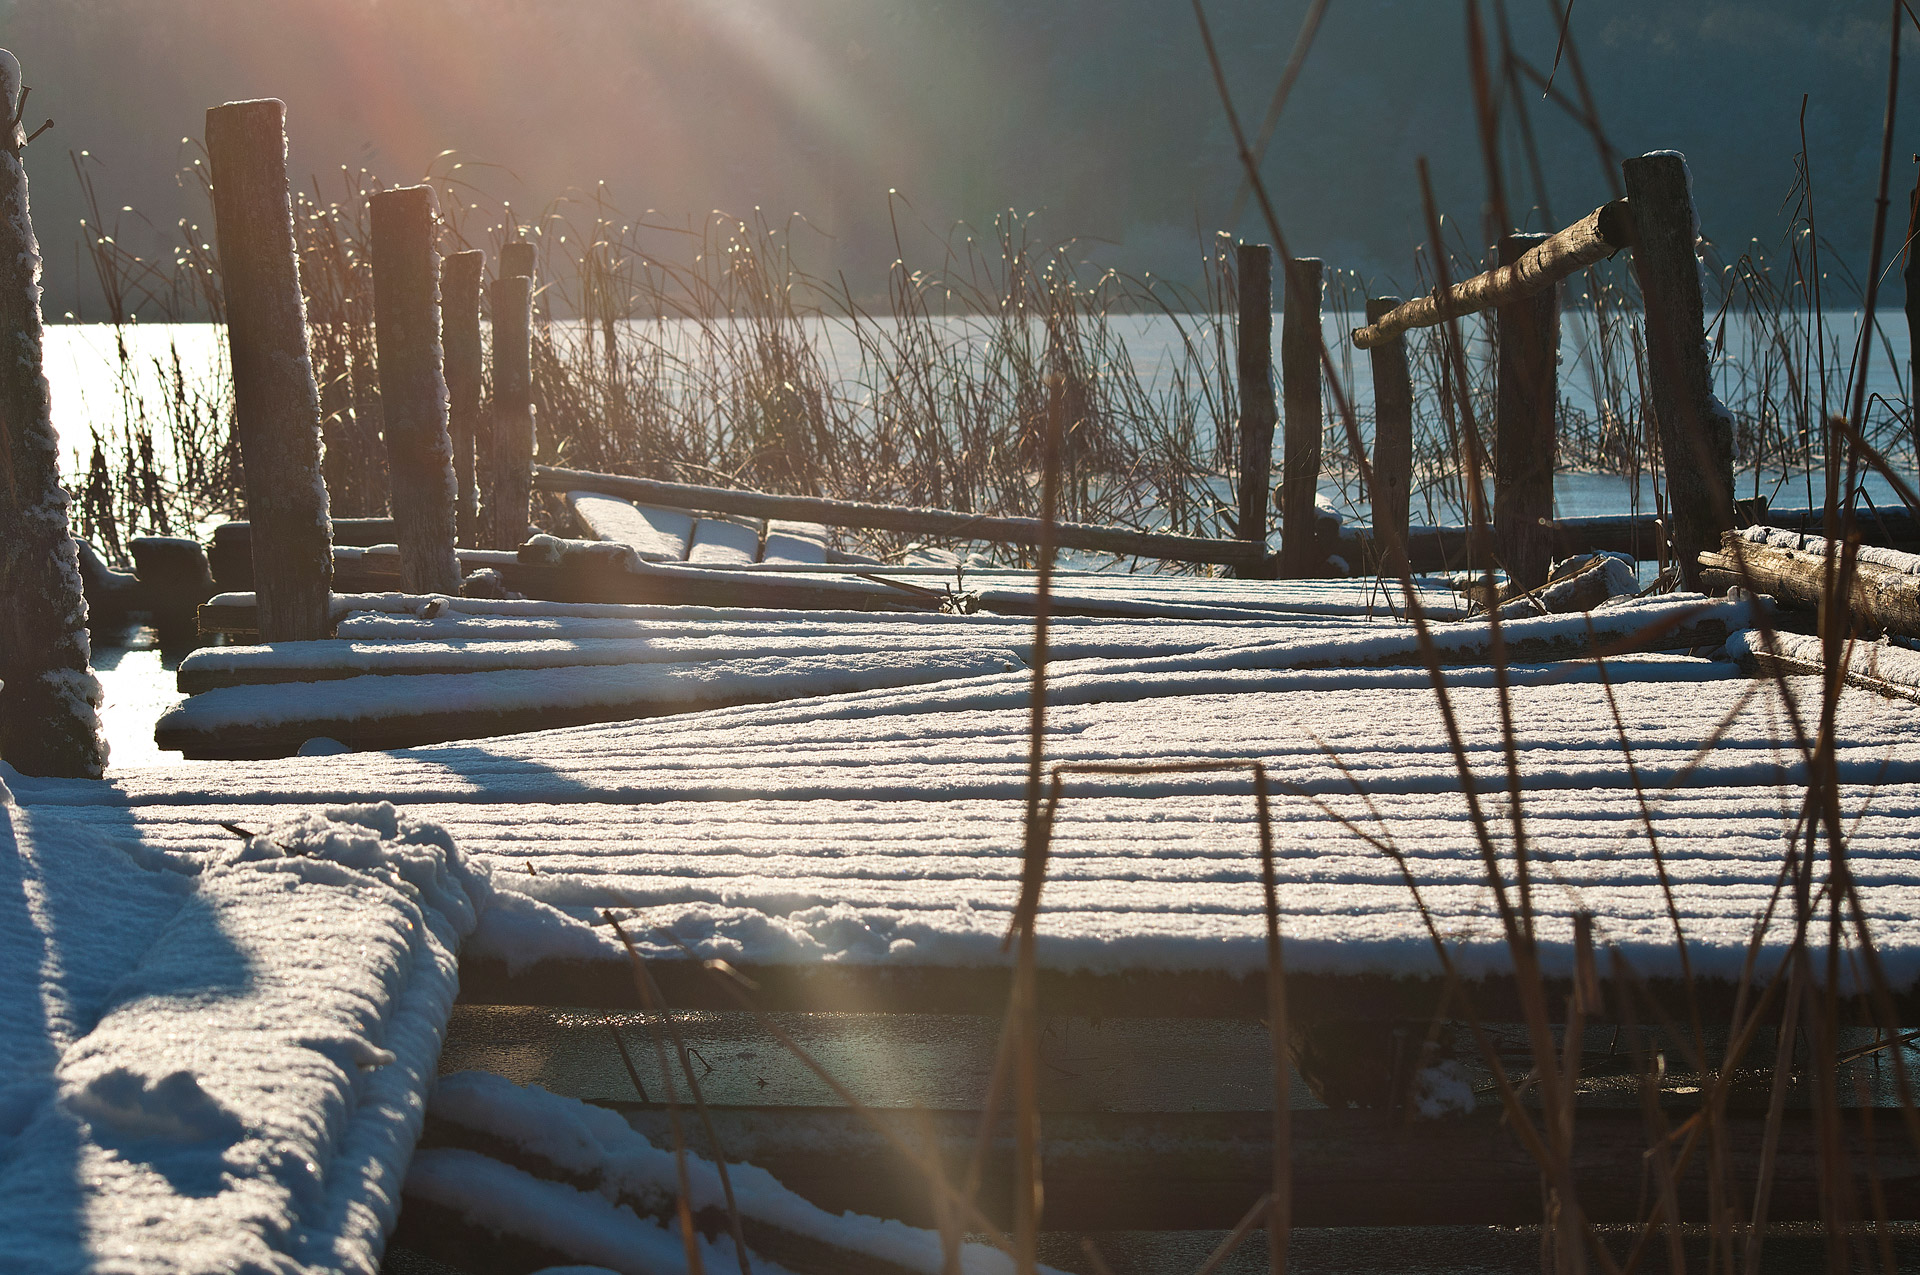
x=725, y=542
x=657, y=535
x=1592, y=239
x=795, y=543
x=931, y=522
x=370, y=713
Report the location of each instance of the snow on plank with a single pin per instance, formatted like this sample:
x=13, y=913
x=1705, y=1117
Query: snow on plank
x=225, y=1065
x=882, y=829
x=657, y=535
x=794, y=542
x=366, y=712
x=659, y=641
x=724, y=542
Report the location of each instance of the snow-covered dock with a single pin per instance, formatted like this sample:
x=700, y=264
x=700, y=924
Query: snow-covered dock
x=873, y=837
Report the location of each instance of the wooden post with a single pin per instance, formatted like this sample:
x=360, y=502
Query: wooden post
x=413, y=388
x=1910, y=276
x=1696, y=434
x=47, y=720
x=460, y=343
x=276, y=405
x=1528, y=392
x=1392, y=442
x=511, y=297
x=1254, y=279
x=517, y=258
x=1300, y=382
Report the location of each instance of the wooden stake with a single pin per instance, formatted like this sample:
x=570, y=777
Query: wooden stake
x=47, y=702
x=1300, y=379
x=1528, y=329
x=511, y=298
x=1696, y=434
x=517, y=258
x=460, y=343
x=1392, y=442
x=413, y=388
x=1254, y=276
x=276, y=405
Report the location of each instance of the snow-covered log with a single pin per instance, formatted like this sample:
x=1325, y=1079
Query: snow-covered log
x=276, y=403
x=413, y=390
x=1880, y=596
x=47, y=691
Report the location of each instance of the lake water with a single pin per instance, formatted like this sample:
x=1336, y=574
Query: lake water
x=81, y=362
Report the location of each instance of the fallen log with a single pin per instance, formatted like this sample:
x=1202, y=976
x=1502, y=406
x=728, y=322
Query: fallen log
x=1891, y=671
x=1594, y=238
x=1879, y=597
x=944, y=523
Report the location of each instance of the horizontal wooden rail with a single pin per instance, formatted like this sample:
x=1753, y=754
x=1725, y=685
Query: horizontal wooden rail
x=945, y=523
x=1595, y=237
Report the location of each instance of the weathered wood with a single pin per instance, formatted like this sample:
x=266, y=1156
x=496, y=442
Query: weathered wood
x=1696, y=434
x=511, y=299
x=1594, y=238
x=47, y=690
x=1392, y=441
x=1300, y=384
x=1879, y=598
x=1528, y=394
x=1910, y=277
x=945, y=523
x=174, y=581
x=276, y=404
x=517, y=258
x=460, y=277
x=1890, y=671
x=1253, y=278
x=413, y=389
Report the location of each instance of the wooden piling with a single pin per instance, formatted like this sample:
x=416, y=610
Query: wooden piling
x=276, y=404
x=1253, y=275
x=1300, y=382
x=511, y=298
x=48, y=695
x=1696, y=434
x=1527, y=394
x=1910, y=276
x=460, y=344
x=413, y=388
x=1392, y=441
x=517, y=258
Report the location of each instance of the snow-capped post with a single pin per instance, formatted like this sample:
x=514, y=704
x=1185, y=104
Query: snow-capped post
x=1300, y=387
x=1696, y=433
x=1392, y=442
x=460, y=343
x=1253, y=278
x=276, y=404
x=511, y=298
x=47, y=689
x=413, y=389
x=1527, y=393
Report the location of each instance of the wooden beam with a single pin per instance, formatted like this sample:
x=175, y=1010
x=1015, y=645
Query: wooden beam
x=946, y=523
x=1594, y=238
